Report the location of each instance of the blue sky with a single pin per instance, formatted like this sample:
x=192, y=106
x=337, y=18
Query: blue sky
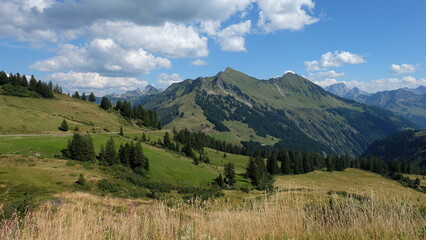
x=114, y=46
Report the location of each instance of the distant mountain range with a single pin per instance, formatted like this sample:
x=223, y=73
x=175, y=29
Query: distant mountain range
x=408, y=103
x=287, y=112
x=135, y=96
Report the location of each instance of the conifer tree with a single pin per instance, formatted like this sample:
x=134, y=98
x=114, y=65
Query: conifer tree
x=286, y=164
x=92, y=97
x=105, y=103
x=229, y=173
x=76, y=95
x=102, y=156
x=272, y=164
x=64, y=126
x=111, y=153
x=166, y=140
x=83, y=97
x=143, y=137
x=121, y=131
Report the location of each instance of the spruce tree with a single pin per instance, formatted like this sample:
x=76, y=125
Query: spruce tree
x=64, y=126
x=286, y=164
x=105, y=103
x=229, y=173
x=166, y=140
x=92, y=97
x=83, y=97
x=121, y=131
x=111, y=153
x=102, y=156
x=143, y=137
x=272, y=164
x=76, y=95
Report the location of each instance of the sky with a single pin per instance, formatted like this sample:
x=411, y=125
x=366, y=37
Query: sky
x=118, y=45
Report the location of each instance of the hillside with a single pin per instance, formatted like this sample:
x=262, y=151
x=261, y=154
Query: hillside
x=408, y=146
x=37, y=115
x=405, y=102
x=288, y=111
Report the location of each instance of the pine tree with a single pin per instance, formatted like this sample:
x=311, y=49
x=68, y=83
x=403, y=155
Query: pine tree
x=139, y=159
x=286, y=164
x=219, y=181
x=272, y=164
x=80, y=148
x=121, y=131
x=64, y=126
x=111, y=153
x=83, y=97
x=102, y=156
x=119, y=105
x=105, y=103
x=187, y=149
x=251, y=171
x=92, y=97
x=166, y=140
x=229, y=173
x=76, y=95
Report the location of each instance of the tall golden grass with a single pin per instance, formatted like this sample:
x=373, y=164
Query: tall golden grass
x=283, y=215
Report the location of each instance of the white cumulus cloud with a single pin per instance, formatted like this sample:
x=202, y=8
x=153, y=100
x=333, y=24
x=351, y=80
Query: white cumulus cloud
x=339, y=58
x=232, y=38
x=285, y=14
x=403, y=68
x=91, y=81
x=166, y=80
x=104, y=56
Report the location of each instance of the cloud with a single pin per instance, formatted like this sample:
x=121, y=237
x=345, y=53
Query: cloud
x=312, y=66
x=403, y=69
x=232, y=38
x=385, y=84
x=338, y=58
x=199, y=62
x=329, y=74
x=104, y=56
x=169, y=39
x=166, y=80
x=285, y=14
x=91, y=81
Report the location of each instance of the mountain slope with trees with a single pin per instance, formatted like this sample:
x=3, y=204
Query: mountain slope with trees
x=405, y=146
x=290, y=109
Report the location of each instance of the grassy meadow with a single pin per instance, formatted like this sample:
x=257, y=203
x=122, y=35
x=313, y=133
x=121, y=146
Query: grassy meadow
x=289, y=213
x=20, y=116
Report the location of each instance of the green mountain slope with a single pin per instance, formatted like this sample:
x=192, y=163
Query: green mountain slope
x=409, y=146
x=290, y=111
x=32, y=115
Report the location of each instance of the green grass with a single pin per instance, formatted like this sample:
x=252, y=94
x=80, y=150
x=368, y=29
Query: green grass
x=27, y=116
x=241, y=132
x=351, y=181
x=165, y=166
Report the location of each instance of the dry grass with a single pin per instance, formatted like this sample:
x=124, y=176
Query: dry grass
x=291, y=214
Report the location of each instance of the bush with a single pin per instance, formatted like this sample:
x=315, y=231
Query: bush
x=108, y=186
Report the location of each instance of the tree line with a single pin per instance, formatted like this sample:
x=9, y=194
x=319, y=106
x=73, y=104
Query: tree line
x=20, y=86
x=143, y=117
x=83, y=97
x=131, y=155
